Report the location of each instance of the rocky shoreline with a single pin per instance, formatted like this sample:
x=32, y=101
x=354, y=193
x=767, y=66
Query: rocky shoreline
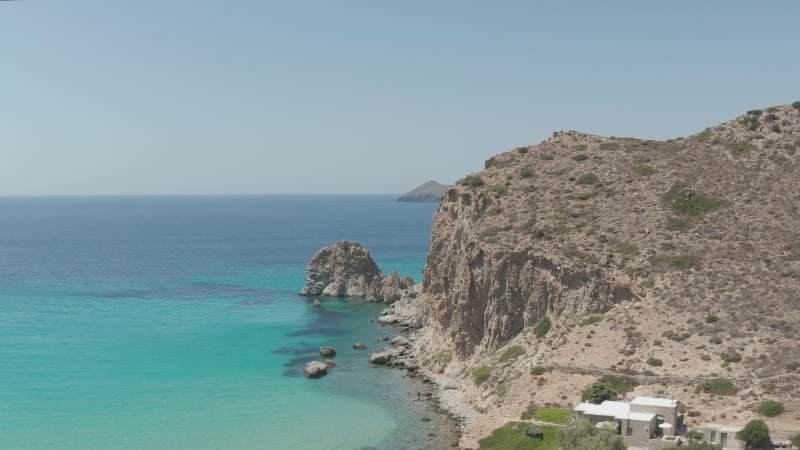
x=446, y=396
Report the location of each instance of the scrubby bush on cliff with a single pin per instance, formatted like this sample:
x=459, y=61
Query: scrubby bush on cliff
x=481, y=374
x=718, y=386
x=582, y=435
x=472, y=181
x=655, y=362
x=688, y=201
x=770, y=408
x=511, y=353
x=542, y=327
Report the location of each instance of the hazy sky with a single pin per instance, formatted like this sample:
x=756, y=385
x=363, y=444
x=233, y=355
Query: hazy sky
x=225, y=97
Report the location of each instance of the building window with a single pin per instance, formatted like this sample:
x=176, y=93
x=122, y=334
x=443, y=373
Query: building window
x=629, y=431
x=713, y=437
x=723, y=439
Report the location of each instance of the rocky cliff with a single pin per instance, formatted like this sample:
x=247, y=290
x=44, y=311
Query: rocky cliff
x=677, y=257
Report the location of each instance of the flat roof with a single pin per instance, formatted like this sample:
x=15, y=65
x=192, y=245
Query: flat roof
x=617, y=410
x=654, y=401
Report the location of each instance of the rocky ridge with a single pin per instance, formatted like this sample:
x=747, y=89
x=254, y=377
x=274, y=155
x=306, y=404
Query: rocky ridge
x=678, y=260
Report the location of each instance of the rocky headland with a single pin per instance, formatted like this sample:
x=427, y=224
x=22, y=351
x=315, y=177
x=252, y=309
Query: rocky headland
x=668, y=265
x=428, y=192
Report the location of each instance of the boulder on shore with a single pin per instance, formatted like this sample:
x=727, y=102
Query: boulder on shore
x=327, y=351
x=383, y=356
x=315, y=369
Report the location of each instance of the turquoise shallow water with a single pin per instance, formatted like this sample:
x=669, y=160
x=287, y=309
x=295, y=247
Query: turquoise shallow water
x=173, y=323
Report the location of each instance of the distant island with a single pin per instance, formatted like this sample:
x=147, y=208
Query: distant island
x=430, y=191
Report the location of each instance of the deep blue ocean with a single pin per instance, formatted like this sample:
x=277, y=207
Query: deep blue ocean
x=174, y=323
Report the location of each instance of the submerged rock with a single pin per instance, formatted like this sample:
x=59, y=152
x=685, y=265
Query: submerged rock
x=327, y=351
x=359, y=346
x=317, y=303
x=315, y=369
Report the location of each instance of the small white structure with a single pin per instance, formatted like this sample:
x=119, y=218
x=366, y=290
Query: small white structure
x=723, y=435
x=638, y=421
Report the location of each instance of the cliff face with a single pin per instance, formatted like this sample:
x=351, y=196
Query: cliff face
x=580, y=224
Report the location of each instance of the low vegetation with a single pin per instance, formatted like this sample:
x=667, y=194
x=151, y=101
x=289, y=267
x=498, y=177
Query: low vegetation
x=591, y=320
x=581, y=434
x=609, y=146
x=481, y=374
x=655, y=362
x=511, y=353
x=643, y=170
x=520, y=436
x=554, y=415
x=770, y=408
x=718, y=386
x=741, y=149
x=589, y=179
x=580, y=157
x=473, y=181
x=537, y=370
x=542, y=327
x=686, y=201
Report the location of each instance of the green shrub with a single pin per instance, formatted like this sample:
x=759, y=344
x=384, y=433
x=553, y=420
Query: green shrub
x=537, y=370
x=649, y=283
x=689, y=202
x=542, y=327
x=580, y=157
x=580, y=148
x=742, y=148
x=526, y=172
x=655, y=362
x=643, y=170
x=472, y=181
x=796, y=106
x=553, y=415
x=597, y=393
x=591, y=320
x=489, y=162
x=619, y=384
x=522, y=150
x=711, y=318
x=589, y=179
x=770, y=408
x=750, y=122
x=796, y=437
x=584, y=196
x=499, y=189
x=512, y=436
x=511, y=353
x=719, y=386
x=609, y=146
x=715, y=340
x=731, y=356
x=481, y=374
x=755, y=432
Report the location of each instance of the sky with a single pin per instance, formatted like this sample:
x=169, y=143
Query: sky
x=154, y=97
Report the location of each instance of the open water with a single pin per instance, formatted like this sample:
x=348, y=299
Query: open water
x=174, y=323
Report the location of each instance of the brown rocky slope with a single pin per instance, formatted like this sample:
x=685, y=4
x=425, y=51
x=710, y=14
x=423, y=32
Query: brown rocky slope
x=683, y=253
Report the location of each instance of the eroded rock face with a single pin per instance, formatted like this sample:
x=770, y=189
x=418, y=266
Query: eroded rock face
x=344, y=269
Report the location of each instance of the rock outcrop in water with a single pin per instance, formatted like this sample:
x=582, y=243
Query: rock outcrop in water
x=315, y=369
x=346, y=269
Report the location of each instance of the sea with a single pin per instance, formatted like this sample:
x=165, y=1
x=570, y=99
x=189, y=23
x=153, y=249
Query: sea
x=174, y=323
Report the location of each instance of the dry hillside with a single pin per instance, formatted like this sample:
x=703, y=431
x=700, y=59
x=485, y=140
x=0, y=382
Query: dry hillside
x=685, y=253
